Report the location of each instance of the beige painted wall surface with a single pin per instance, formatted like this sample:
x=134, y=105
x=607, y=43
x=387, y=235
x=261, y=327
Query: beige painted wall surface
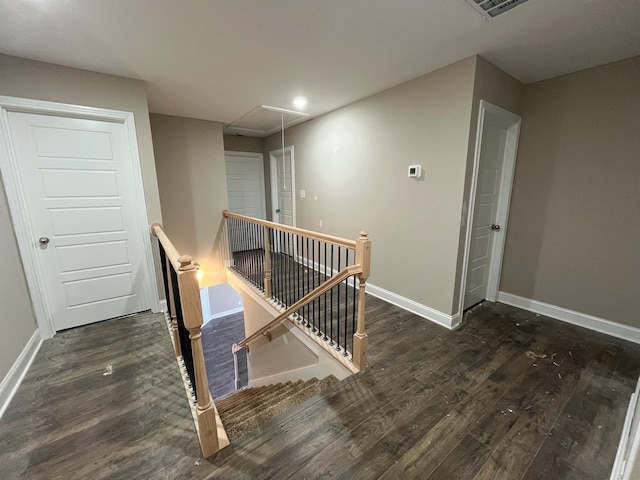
x=355, y=159
x=17, y=321
x=496, y=87
x=237, y=143
x=193, y=189
x=574, y=228
x=44, y=81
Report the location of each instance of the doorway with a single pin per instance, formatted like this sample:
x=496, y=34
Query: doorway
x=493, y=169
x=74, y=188
x=245, y=184
x=283, y=184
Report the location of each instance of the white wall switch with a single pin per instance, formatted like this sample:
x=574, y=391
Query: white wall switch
x=414, y=171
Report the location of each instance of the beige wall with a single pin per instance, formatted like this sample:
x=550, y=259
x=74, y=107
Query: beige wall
x=241, y=143
x=355, y=161
x=574, y=228
x=43, y=81
x=496, y=87
x=17, y=321
x=193, y=188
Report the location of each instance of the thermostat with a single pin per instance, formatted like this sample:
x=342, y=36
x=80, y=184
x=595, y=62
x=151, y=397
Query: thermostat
x=415, y=171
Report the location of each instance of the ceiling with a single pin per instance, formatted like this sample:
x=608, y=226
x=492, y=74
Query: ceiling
x=219, y=59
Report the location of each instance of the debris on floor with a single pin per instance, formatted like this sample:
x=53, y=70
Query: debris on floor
x=533, y=355
x=108, y=370
x=197, y=464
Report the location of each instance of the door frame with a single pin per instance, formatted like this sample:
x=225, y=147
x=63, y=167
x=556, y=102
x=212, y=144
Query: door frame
x=260, y=159
x=274, y=182
x=504, y=199
x=21, y=221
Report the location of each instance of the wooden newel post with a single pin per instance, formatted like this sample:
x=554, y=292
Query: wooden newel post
x=192, y=313
x=267, y=263
x=363, y=258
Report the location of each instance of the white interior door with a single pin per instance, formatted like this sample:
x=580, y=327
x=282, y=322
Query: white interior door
x=245, y=184
x=78, y=185
x=245, y=193
x=283, y=187
x=495, y=166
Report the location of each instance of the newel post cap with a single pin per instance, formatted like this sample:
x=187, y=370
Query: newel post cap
x=186, y=263
x=364, y=235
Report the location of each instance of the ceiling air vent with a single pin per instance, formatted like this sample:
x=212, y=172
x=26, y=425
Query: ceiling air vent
x=493, y=8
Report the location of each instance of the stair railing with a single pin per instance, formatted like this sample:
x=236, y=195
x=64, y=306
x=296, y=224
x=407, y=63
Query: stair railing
x=182, y=293
x=314, y=279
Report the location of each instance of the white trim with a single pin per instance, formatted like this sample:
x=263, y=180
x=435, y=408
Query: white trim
x=227, y=312
x=597, y=324
x=163, y=305
x=625, y=446
x=13, y=379
x=18, y=207
x=504, y=199
x=260, y=157
x=443, y=319
x=274, y=185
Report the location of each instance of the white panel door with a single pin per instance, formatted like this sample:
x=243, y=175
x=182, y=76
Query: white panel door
x=283, y=183
x=245, y=194
x=486, y=208
x=78, y=183
x=245, y=184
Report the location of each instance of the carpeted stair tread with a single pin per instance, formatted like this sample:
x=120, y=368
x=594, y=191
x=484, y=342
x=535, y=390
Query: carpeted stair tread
x=254, y=406
x=255, y=399
x=242, y=397
x=241, y=415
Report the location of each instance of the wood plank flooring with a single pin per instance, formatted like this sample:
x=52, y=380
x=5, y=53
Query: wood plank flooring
x=218, y=335
x=434, y=404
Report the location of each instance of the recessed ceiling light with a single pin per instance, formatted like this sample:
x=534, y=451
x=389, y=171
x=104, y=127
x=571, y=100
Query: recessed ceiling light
x=300, y=102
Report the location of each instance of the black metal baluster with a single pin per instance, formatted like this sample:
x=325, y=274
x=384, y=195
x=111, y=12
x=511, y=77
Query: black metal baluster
x=338, y=303
x=331, y=342
x=353, y=315
x=288, y=269
x=325, y=294
x=346, y=304
x=318, y=283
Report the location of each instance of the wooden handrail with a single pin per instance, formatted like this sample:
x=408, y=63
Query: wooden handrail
x=209, y=427
x=308, y=298
x=343, y=242
x=169, y=249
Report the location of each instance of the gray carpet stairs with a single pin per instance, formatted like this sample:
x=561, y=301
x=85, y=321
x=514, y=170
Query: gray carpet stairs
x=246, y=409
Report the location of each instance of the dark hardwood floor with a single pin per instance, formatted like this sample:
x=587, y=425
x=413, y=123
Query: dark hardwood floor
x=218, y=335
x=478, y=403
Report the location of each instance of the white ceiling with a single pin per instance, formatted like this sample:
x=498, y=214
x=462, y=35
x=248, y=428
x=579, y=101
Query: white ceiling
x=218, y=59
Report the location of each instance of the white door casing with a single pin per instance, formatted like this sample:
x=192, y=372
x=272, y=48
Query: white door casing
x=72, y=174
x=494, y=166
x=283, y=185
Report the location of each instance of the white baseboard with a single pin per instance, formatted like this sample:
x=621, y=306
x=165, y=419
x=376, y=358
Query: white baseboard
x=227, y=312
x=628, y=446
x=436, y=316
x=14, y=377
x=601, y=325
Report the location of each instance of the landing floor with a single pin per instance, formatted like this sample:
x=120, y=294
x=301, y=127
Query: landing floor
x=478, y=403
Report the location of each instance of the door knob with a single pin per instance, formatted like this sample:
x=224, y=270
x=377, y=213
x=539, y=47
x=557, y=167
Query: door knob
x=495, y=227
x=43, y=240
x=277, y=210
